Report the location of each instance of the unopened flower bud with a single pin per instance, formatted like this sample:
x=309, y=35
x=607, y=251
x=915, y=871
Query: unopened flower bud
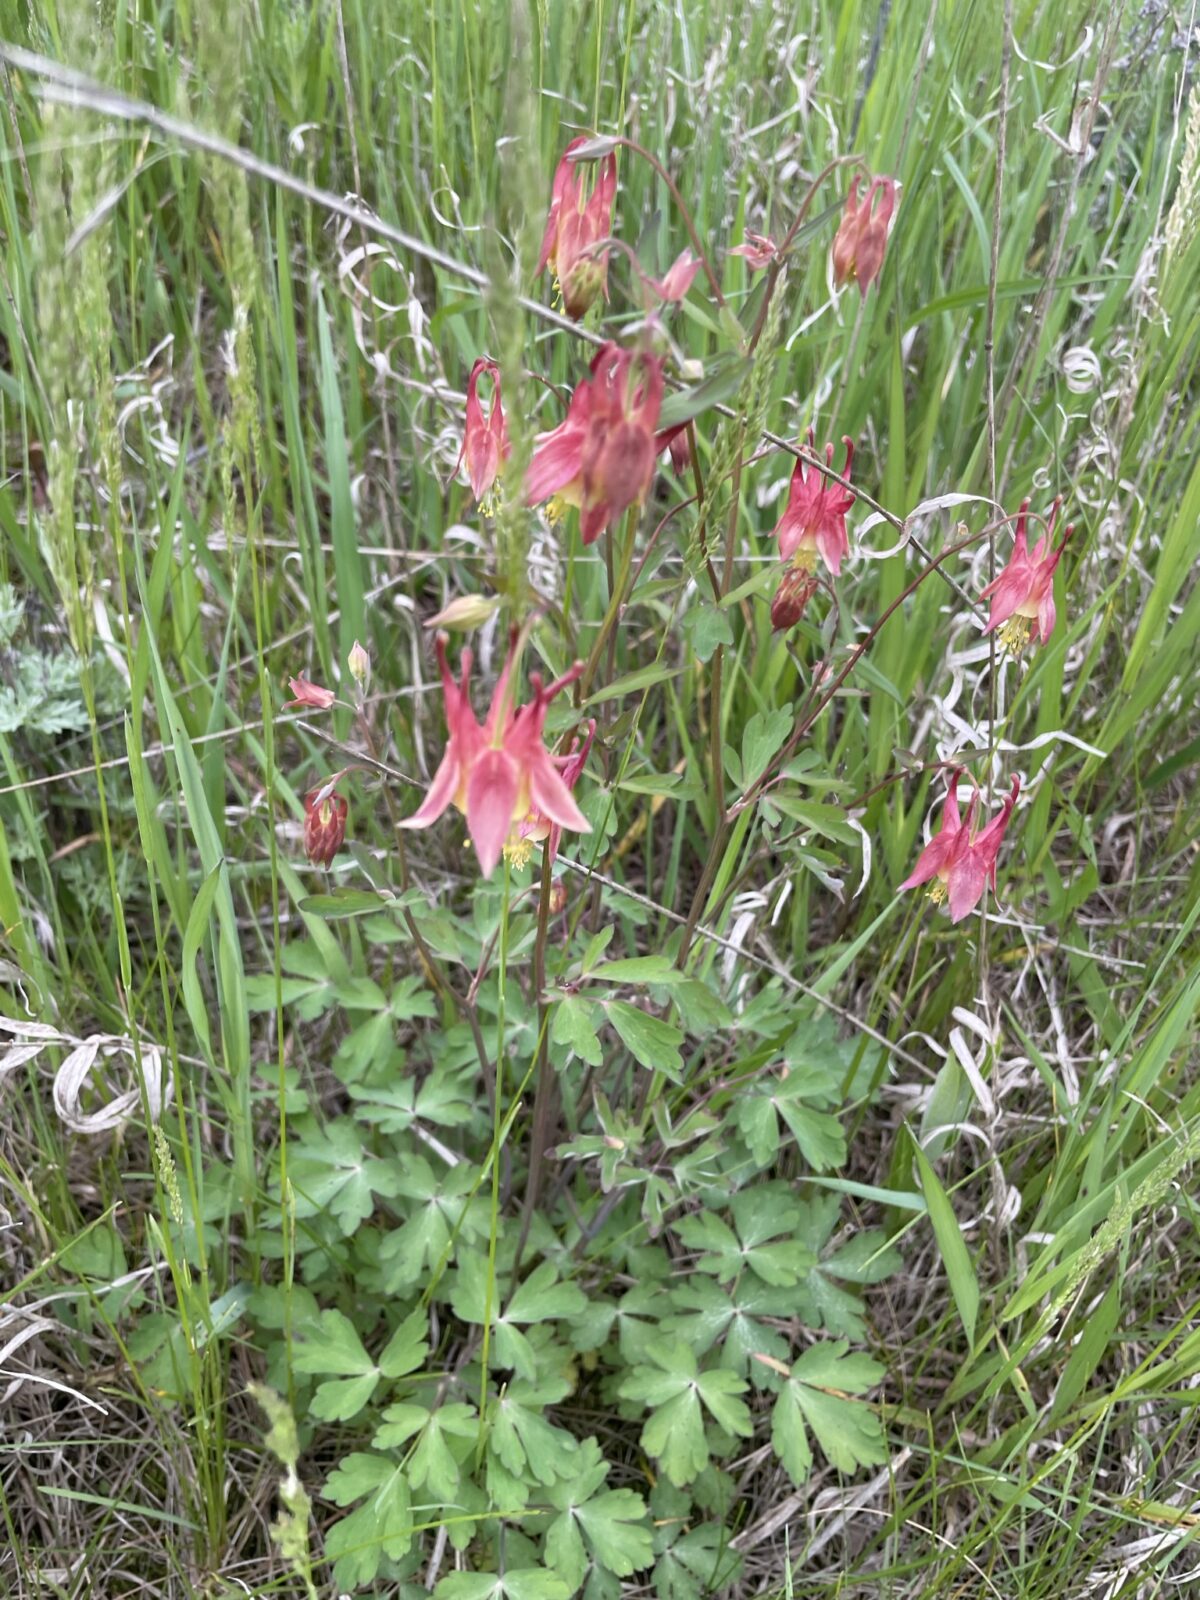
x=325, y=813
x=792, y=596
x=577, y=226
x=558, y=897
x=359, y=663
x=681, y=452
x=467, y=612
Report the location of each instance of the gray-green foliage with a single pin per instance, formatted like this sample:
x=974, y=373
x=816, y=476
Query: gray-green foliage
x=40, y=690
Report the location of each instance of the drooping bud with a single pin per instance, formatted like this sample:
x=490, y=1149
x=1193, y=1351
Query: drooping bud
x=465, y=613
x=485, y=441
x=679, y=445
x=325, y=813
x=796, y=589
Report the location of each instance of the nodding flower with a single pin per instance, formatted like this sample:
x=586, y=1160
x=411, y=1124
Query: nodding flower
x=498, y=773
x=814, y=521
x=576, y=225
x=862, y=236
x=601, y=458
x=960, y=860
x=485, y=441
x=325, y=813
x=1023, y=595
x=308, y=696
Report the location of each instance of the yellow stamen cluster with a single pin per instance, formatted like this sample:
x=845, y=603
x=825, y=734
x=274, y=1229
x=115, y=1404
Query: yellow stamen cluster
x=937, y=891
x=1014, y=635
x=556, y=510
x=805, y=559
x=518, y=851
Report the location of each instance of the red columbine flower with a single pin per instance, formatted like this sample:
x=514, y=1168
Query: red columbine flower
x=324, y=823
x=861, y=238
x=555, y=471
x=537, y=826
x=678, y=278
x=759, y=250
x=485, y=442
x=620, y=449
x=575, y=226
x=962, y=861
x=814, y=522
x=601, y=458
x=499, y=773
x=1023, y=595
x=309, y=696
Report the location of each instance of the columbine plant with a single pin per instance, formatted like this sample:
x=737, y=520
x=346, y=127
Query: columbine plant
x=602, y=1048
x=814, y=521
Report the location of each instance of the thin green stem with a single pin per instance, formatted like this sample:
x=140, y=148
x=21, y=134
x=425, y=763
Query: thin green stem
x=616, y=601
x=497, y=1137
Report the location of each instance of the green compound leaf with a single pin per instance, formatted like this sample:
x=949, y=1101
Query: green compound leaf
x=381, y=1526
x=526, y=1445
x=763, y=737
x=817, y=1398
x=822, y=1301
x=406, y=1350
x=766, y=1218
x=520, y=1583
x=331, y=1172
x=707, y=1316
x=649, y=1040
x=679, y=1393
x=796, y=1099
x=576, y=1027
x=332, y=1346
x=707, y=626
x=611, y=1528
